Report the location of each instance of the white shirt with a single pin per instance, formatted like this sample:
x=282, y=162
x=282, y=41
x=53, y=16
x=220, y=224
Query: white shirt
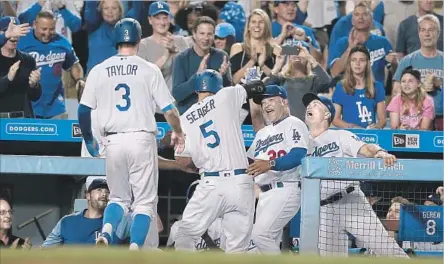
x=125, y=90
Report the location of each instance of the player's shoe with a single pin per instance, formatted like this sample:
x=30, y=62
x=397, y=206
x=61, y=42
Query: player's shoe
x=134, y=247
x=101, y=241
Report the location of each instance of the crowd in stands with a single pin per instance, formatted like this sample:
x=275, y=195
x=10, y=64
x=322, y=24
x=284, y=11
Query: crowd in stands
x=380, y=61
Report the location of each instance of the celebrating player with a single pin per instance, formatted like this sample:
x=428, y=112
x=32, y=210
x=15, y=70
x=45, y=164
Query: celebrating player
x=123, y=89
x=344, y=207
x=276, y=155
x=215, y=145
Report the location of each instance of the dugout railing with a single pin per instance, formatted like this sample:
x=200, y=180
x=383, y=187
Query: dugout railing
x=416, y=224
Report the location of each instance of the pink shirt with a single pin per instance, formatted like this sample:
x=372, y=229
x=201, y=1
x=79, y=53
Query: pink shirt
x=413, y=120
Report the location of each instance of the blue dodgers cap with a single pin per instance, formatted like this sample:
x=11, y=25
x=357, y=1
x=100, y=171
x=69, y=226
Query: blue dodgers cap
x=159, y=7
x=271, y=91
x=4, y=22
x=309, y=97
x=224, y=30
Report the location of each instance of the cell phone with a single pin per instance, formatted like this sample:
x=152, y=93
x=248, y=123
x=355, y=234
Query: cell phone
x=289, y=50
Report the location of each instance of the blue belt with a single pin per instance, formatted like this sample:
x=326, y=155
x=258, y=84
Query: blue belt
x=218, y=173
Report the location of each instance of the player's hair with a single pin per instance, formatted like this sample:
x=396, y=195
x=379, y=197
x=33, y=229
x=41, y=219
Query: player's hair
x=349, y=81
x=401, y=200
x=420, y=95
x=266, y=37
x=119, y=4
x=431, y=18
x=203, y=20
x=45, y=14
x=366, y=6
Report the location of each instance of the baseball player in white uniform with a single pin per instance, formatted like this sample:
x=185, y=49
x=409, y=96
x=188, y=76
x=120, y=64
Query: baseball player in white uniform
x=215, y=145
x=212, y=239
x=125, y=90
x=344, y=207
x=276, y=155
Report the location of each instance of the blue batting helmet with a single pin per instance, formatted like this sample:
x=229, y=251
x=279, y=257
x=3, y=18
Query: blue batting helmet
x=209, y=81
x=127, y=30
x=271, y=90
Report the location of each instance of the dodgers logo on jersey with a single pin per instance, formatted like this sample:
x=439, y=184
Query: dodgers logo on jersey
x=262, y=145
x=50, y=59
x=328, y=148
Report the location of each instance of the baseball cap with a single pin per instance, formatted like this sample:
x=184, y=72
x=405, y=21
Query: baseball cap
x=159, y=7
x=271, y=91
x=410, y=70
x=4, y=22
x=309, y=97
x=97, y=184
x=277, y=2
x=224, y=30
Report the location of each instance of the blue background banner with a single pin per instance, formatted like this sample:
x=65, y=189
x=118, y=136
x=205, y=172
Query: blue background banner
x=69, y=131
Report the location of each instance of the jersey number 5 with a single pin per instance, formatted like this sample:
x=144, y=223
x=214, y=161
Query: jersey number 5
x=125, y=96
x=210, y=133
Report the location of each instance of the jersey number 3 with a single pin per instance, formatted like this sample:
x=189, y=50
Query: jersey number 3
x=210, y=133
x=125, y=97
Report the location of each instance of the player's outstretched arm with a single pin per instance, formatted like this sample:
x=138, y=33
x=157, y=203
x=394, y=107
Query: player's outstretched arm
x=167, y=164
x=173, y=119
x=375, y=151
x=84, y=113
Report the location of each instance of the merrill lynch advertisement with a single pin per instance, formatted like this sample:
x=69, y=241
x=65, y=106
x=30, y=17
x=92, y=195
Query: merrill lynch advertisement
x=371, y=168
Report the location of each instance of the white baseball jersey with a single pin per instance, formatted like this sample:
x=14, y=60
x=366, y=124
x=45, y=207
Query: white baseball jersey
x=335, y=143
x=214, y=137
x=125, y=90
x=275, y=141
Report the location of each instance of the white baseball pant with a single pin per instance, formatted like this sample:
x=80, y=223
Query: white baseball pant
x=230, y=198
x=274, y=210
x=354, y=214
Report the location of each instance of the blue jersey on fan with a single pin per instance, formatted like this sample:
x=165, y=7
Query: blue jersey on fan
x=378, y=47
x=276, y=29
x=357, y=108
x=52, y=57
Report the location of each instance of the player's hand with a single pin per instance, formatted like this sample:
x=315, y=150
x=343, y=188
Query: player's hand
x=27, y=244
x=178, y=140
x=389, y=159
x=93, y=147
x=34, y=77
x=203, y=64
x=258, y=167
x=166, y=141
x=16, y=31
x=224, y=66
x=13, y=70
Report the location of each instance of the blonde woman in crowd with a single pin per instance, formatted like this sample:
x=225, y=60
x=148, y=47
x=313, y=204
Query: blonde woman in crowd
x=413, y=109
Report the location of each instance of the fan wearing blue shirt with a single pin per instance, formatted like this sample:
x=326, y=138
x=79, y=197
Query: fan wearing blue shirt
x=380, y=49
x=345, y=24
x=52, y=52
x=359, y=100
x=285, y=27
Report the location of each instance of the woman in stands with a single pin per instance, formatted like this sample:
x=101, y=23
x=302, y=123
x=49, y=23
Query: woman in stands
x=257, y=50
x=359, y=100
x=413, y=109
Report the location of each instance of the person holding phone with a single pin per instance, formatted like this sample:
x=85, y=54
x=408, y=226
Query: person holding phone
x=300, y=74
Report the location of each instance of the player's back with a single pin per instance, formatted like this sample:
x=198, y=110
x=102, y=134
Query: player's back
x=127, y=90
x=213, y=131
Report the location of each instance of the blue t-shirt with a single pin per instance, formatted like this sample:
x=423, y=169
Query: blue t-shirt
x=276, y=29
x=357, y=108
x=378, y=47
x=344, y=25
x=52, y=57
x=425, y=66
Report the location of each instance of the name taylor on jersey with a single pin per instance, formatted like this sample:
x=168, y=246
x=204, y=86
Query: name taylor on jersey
x=122, y=70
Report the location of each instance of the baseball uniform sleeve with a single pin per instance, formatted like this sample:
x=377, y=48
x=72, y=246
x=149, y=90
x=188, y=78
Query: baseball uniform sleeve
x=351, y=144
x=161, y=94
x=89, y=96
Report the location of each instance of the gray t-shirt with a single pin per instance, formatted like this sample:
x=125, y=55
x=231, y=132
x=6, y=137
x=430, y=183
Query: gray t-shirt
x=408, y=38
x=151, y=51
